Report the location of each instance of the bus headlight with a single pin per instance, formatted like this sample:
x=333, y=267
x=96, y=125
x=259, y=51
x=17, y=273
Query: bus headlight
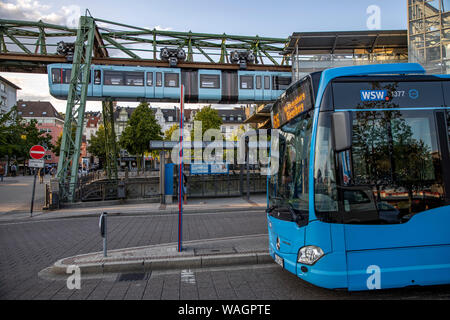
x=309, y=255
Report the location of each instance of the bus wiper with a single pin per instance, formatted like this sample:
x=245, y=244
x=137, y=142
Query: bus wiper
x=295, y=216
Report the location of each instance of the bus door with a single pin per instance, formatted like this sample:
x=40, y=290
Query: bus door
x=97, y=86
x=392, y=199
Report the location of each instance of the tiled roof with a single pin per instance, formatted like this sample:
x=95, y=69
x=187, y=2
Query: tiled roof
x=32, y=109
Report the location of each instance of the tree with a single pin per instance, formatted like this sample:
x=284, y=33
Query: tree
x=17, y=136
x=168, y=133
x=97, y=144
x=141, y=128
x=210, y=119
x=57, y=147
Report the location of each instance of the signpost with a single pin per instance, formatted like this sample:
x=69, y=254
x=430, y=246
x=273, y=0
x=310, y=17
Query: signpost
x=36, y=153
x=180, y=176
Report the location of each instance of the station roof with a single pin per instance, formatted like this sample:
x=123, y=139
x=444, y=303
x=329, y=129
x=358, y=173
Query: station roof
x=346, y=41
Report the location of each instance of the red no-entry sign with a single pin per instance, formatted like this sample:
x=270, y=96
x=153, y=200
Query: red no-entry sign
x=37, y=152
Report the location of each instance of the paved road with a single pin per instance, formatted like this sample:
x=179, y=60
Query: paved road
x=29, y=247
x=15, y=194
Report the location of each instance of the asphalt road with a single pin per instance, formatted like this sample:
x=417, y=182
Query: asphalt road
x=29, y=247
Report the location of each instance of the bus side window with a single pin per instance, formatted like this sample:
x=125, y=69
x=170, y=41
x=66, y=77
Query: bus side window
x=149, y=79
x=97, y=77
x=158, y=79
x=266, y=82
x=258, y=82
x=56, y=75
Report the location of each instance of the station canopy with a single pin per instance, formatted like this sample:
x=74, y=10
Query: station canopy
x=345, y=41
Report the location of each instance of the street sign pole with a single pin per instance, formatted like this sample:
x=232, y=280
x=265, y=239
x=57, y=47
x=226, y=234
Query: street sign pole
x=32, y=196
x=37, y=153
x=180, y=176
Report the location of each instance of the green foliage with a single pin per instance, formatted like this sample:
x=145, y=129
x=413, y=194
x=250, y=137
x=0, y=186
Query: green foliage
x=142, y=127
x=210, y=119
x=97, y=144
x=168, y=133
x=57, y=147
x=18, y=136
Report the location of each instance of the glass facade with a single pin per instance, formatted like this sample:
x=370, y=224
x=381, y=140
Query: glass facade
x=429, y=34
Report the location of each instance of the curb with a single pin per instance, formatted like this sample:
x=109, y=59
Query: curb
x=145, y=265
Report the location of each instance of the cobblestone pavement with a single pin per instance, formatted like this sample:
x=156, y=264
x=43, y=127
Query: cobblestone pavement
x=27, y=248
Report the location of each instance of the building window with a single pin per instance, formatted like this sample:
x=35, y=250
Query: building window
x=44, y=113
x=2, y=87
x=209, y=81
x=246, y=82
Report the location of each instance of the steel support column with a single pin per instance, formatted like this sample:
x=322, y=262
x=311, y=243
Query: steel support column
x=110, y=139
x=76, y=104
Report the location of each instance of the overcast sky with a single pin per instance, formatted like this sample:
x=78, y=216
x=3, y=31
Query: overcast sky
x=266, y=18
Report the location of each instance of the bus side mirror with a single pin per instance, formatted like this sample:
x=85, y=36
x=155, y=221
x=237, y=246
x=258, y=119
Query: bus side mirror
x=341, y=126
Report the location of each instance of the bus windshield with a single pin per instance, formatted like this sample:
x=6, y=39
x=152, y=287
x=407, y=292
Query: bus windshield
x=288, y=188
x=395, y=167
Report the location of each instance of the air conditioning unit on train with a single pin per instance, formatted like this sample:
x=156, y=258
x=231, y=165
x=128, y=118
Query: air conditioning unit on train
x=172, y=55
x=242, y=57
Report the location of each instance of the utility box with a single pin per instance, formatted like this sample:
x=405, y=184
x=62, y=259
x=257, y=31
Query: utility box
x=121, y=194
x=168, y=182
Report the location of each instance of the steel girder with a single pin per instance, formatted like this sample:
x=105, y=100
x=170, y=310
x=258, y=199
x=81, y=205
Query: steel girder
x=76, y=104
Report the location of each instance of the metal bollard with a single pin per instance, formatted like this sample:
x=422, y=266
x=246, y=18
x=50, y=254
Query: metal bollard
x=103, y=231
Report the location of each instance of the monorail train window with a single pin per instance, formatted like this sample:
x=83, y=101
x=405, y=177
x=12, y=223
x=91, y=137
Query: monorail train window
x=159, y=79
x=266, y=82
x=66, y=73
x=246, y=82
x=280, y=83
x=56, y=75
x=258, y=82
x=209, y=81
x=149, y=79
x=134, y=79
x=171, y=80
x=113, y=78
x=97, y=76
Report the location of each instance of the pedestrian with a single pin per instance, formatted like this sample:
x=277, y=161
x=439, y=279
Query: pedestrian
x=13, y=170
x=185, y=188
x=2, y=172
x=53, y=171
x=41, y=174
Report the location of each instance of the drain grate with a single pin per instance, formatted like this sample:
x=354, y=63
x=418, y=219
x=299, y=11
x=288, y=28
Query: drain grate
x=139, y=276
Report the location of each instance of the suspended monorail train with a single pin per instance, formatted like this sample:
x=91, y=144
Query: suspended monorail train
x=163, y=84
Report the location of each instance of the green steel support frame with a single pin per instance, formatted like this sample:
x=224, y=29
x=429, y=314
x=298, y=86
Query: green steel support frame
x=76, y=104
x=110, y=139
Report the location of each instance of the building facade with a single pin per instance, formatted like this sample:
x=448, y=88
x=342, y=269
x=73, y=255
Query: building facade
x=429, y=34
x=48, y=121
x=8, y=95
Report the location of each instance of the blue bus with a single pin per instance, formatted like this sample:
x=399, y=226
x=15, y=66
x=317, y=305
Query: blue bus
x=361, y=197
x=125, y=83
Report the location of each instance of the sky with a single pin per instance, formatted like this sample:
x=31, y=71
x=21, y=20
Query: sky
x=236, y=17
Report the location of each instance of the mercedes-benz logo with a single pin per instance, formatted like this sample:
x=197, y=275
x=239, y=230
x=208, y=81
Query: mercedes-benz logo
x=278, y=243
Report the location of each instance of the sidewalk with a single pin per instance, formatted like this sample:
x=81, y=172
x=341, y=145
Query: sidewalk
x=243, y=250
x=257, y=202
